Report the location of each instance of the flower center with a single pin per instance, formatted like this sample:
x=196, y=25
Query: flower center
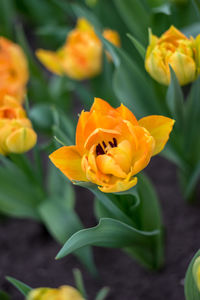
x=102, y=148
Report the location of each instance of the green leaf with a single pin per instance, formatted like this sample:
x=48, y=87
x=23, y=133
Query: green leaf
x=22, y=200
x=130, y=83
x=175, y=99
x=79, y=282
x=41, y=117
x=192, y=123
x=4, y=296
x=135, y=16
x=164, y=9
x=192, y=29
x=141, y=50
x=190, y=287
x=82, y=11
x=114, y=234
x=62, y=222
x=108, y=200
x=102, y=294
x=7, y=15
x=23, y=288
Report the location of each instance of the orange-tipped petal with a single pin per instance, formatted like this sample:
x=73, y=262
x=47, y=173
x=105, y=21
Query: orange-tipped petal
x=21, y=140
x=68, y=160
x=127, y=115
x=119, y=186
x=159, y=127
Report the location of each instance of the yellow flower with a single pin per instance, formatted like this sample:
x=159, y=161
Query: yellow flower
x=196, y=272
x=175, y=49
x=62, y=293
x=112, y=146
x=81, y=56
x=13, y=70
x=16, y=133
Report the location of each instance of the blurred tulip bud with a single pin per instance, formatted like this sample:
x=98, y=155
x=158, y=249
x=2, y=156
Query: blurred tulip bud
x=16, y=133
x=175, y=49
x=13, y=70
x=62, y=293
x=81, y=56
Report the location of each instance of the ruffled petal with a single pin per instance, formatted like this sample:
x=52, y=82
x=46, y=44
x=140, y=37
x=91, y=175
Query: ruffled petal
x=126, y=114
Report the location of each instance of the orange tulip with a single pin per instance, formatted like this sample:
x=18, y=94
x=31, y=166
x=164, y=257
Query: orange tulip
x=13, y=70
x=112, y=146
x=81, y=56
x=16, y=133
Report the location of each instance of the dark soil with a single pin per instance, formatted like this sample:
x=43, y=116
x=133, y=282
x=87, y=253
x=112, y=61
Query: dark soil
x=27, y=252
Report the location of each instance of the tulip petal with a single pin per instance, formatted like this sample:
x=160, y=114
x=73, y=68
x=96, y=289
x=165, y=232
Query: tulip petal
x=104, y=107
x=184, y=67
x=50, y=60
x=159, y=127
x=80, y=139
x=68, y=160
x=126, y=114
x=99, y=135
x=21, y=140
x=107, y=165
x=119, y=186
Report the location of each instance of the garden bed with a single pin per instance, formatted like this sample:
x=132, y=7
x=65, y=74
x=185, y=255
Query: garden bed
x=27, y=251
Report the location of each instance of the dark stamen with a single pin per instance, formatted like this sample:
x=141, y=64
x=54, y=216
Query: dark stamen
x=115, y=142
x=99, y=150
x=111, y=144
x=104, y=144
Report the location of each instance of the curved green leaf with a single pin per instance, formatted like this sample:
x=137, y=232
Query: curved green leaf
x=141, y=50
x=62, y=222
x=135, y=16
x=22, y=287
x=114, y=234
x=175, y=99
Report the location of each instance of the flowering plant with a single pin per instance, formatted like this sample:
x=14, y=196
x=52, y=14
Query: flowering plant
x=111, y=148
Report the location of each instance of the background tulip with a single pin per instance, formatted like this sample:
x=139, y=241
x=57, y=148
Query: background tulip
x=13, y=70
x=171, y=49
x=16, y=133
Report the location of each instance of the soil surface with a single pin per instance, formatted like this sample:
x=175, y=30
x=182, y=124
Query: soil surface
x=27, y=252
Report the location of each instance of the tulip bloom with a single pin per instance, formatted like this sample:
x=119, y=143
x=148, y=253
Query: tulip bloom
x=16, y=133
x=112, y=146
x=62, y=293
x=13, y=70
x=81, y=56
x=175, y=49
